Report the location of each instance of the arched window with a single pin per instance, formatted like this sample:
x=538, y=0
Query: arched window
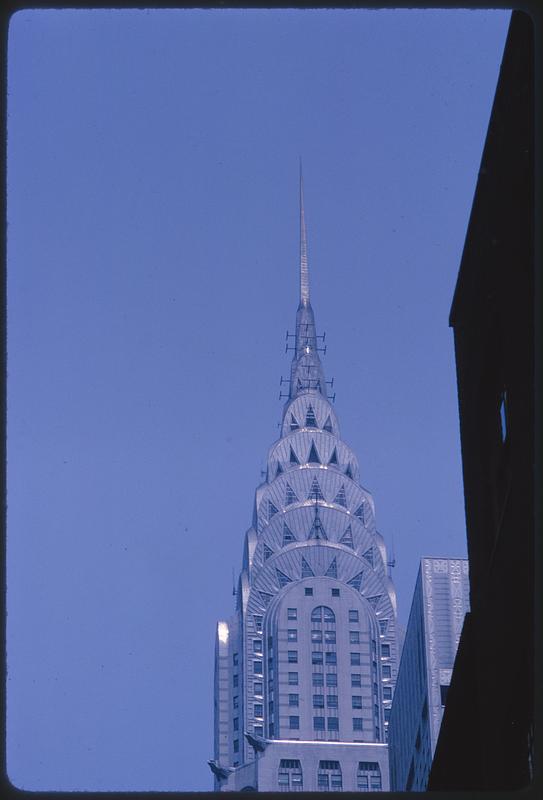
x=368, y=776
x=329, y=778
x=290, y=778
x=322, y=613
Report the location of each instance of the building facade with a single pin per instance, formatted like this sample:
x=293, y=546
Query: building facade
x=305, y=668
x=440, y=603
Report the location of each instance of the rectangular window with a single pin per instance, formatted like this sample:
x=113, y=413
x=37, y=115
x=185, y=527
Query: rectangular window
x=235, y=701
x=258, y=730
x=257, y=645
x=331, y=701
x=331, y=658
x=236, y=745
x=258, y=624
x=316, y=636
x=356, y=679
x=294, y=699
x=293, y=679
x=236, y=723
x=387, y=714
x=443, y=691
x=377, y=733
x=259, y=710
x=358, y=724
x=385, y=650
x=292, y=613
x=257, y=687
x=357, y=701
x=294, y=723
x=335, y=592
x=318, y=679
x=376, y=711
x=292, y=656
x=316, y=657
x=270, y=708
x=387, y=692
x=257, y=667
x=355, y=659
x=373, y=646
x=333, y=725
x=354, y=637
x=330, y=637
x=318, y=723
x=235, y=681
x=318, y=701
x=292, y=635
x=270, y=642
x=375, y=782
x=308, y=591
x=353, y=615
x=331, y=679
x=386, y=671
x=235, y=659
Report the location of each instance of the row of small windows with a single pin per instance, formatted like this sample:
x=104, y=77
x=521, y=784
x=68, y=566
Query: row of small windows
x=355, y=662
x=318, y=614
x=317, y=658
x=329, y=776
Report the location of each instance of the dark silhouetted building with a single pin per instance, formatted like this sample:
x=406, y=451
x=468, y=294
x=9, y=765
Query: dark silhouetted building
x=486, y=737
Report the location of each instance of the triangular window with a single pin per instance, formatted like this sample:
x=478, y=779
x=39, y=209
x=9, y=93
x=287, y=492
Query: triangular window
x=373, y=601
x=328, y=424
x=288, y=536
x=293, y=423
x=340, y=498
x=333, y=457
x=293, y=457
x=356, y=581
x=360, y=513
x=317, y=531
x=266, y=597
x=290, y=496
x=313, y=457
x=271, y=510
x=307, y=572
x=310, y=419
x=279, y=469
x=282, y=579
x=267, y=552
x=349, y=472
x=315, y=493
x=368, y=555
x=331, y=572
x=347, y=538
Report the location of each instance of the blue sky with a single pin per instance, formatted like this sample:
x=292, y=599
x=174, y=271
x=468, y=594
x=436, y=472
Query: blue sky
x=152, y=275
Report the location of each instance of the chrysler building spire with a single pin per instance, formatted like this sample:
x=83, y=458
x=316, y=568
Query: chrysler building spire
x=306, y=372
x=305, y=666
x=304, y=273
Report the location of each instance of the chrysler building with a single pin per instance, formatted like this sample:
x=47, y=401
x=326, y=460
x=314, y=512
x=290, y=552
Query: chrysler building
x=306, y=665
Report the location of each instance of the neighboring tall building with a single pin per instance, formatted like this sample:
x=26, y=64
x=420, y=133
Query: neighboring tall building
x=306, y=666
x=488, y=725
x=440, y=602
